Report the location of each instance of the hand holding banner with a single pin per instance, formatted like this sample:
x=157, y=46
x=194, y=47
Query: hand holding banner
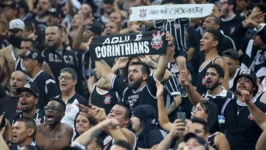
x=157, y=12
x=133, y=44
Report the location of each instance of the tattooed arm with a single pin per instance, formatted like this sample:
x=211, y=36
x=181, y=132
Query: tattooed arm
x=176, y=102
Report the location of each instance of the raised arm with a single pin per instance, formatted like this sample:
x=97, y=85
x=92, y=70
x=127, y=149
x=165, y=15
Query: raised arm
x=222, y=63
x=104, y=70
x=185, y=80
x=261, y=141
x=93, y=132
x=77, y=42
x=257, y=114
x=162, y=114
x=164, y=59
x=120, y=63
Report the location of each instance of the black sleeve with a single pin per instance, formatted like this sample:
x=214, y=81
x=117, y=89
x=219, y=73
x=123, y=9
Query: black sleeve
x=158, y=23
x=154, y=137
x=152, y=86
x=118, y=84
x=51, y=88
x=15, y=41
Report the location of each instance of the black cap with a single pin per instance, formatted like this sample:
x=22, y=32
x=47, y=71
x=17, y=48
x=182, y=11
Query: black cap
x=32, y=88
x=95, y=28
x=231, y=53
x=199, y=139
x=54, y=12
x=32, y=54
x=12, y=5
x=251, y=76
x=108, y=2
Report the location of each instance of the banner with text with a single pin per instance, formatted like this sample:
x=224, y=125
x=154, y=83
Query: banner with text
x=132, y=44
x=157, y=12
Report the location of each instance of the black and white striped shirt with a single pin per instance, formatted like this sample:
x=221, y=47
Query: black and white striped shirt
x=177, y=29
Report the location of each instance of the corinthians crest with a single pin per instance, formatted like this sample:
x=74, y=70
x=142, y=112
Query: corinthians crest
x=143, y=13
x=157, y=41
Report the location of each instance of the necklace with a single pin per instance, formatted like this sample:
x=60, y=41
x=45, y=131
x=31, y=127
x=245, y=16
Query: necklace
x=238, y=110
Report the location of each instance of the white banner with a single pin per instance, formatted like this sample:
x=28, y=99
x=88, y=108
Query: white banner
x=157, y=12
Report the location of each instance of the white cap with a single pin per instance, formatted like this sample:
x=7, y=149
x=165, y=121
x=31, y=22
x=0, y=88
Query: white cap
x=17, y=24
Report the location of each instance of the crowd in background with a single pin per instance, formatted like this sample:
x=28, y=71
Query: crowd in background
x=206, y=93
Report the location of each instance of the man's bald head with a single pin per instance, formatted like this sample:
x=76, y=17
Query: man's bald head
x=18, y=79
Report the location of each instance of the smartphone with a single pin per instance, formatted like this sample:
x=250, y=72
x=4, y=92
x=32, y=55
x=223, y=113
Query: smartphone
x=181, y=116
x=3, y=122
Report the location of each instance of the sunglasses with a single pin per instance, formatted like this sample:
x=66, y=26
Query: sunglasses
x=52, y=108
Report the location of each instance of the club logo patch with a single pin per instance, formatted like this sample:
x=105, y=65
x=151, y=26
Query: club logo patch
x=157, y=41
x=143, y=13
x=107, y=99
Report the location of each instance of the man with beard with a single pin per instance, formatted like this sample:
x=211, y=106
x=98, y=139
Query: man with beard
x=208, y=45
x=229, y=20
x=41, y=18
x=232, y=59
x=216, y=92
x=23, y=133
x=54, y=135
x=29, y=96
x=58, y=57
x=10, y=104
x=33, y=62
x=141, y=87
x=241, y=130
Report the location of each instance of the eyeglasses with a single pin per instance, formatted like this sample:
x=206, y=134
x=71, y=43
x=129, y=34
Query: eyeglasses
x=64, y=77
x=52, y=108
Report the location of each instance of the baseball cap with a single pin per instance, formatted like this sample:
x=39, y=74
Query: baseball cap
x=29, y=87
x=12, y=5
x=16, y=24
x=199, y=139
x=251, y=76
x=32, y=54
x=231, y=53
x=54, y=12
x=95, y=28
x=108, y=2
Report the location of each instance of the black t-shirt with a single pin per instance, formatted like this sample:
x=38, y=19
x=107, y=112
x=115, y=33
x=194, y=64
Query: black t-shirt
x=10, y=106
x=229, y=26
x=106, y=99
x=58, y=61
x=149, y=139
x=242, y=131
x=133, y=98
x=39, y=117
x=227, y=43
x=47, y=88
x=2, y=92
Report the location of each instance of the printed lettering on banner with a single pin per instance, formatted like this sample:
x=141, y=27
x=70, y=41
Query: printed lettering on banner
x=158, y=12
x=133, y=44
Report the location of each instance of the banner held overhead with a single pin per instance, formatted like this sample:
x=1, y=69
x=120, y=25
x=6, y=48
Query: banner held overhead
x=157, y=12
x=133, y=44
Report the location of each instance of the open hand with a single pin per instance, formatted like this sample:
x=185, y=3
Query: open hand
x=160, y=88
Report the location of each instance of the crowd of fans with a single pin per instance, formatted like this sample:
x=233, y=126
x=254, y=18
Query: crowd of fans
x=206, y=93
